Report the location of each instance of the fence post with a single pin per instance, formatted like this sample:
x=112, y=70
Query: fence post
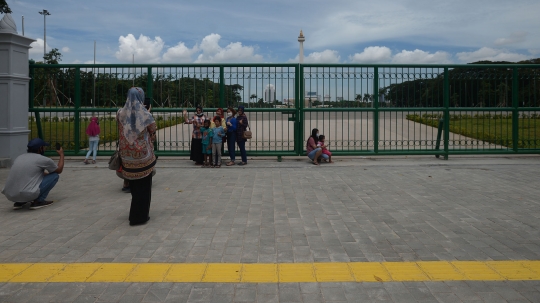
x=376, y=110
x=77, y=110
x=222, y=86
x=31, y=100
x=446, y=114
x=515, y=110
x=299, y=104
x=150, y=86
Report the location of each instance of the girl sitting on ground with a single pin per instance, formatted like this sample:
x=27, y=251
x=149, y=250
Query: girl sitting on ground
x=324, y=148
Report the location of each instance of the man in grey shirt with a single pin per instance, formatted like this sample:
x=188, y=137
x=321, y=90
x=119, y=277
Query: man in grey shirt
x=32, y=176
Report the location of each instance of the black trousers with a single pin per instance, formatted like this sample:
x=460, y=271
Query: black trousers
x=141, y=196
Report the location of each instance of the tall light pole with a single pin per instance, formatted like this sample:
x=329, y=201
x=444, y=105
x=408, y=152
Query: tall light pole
x=45, y=13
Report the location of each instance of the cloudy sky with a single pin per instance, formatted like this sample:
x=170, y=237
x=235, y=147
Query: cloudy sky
x=338, y=31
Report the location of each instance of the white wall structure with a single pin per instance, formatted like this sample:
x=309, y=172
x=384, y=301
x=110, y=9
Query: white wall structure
x=14, y=86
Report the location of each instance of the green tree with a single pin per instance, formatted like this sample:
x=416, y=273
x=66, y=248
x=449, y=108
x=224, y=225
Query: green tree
x=4, y=8
x=53, y=57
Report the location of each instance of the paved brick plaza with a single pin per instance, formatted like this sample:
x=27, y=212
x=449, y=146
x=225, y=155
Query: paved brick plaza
x=391, y=209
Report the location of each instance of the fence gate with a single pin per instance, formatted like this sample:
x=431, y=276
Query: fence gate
x=361, y=109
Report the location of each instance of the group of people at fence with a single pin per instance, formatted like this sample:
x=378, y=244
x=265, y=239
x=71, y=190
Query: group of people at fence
x=33, y=175
x=209, y=135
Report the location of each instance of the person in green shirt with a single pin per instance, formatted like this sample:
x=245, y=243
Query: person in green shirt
x=207, y=134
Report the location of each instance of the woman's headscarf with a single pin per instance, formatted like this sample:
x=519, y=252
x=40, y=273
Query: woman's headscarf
x=242, y=108
x=222, y=116
x=134, y=117
x=93, y=127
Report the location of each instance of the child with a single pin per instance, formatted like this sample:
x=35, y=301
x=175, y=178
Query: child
x=217, y=142
x=207, y=135
x=324, y=148
x=92, y=131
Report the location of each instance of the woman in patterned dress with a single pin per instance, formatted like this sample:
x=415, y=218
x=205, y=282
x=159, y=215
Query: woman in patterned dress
x=196, y=137
x=137, y=130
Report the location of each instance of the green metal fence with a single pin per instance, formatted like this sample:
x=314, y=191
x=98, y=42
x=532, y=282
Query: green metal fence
x=361, y=109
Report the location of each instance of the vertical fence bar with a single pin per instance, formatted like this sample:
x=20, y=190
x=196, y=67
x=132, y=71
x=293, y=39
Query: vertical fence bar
x=376, y=110
x=77, y=109
x=222, y=86
x=446, y=100
x=31, y=103
x=515, y=110
x=299, y=105
x=150, y=85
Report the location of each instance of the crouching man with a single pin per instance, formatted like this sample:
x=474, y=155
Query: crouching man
x=32, y=176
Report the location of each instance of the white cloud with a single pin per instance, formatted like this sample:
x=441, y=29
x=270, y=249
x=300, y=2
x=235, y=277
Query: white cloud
x=486, y=53
x=37, y=48
x=421, y=57
x=372, y=54
x=234, y=52
x=326, y=56
x=180, y=53
x=66, y=49
x=145, y=49
x=514, y=38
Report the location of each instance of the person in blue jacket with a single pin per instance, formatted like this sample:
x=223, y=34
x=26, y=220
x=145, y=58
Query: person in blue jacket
x=231, y=133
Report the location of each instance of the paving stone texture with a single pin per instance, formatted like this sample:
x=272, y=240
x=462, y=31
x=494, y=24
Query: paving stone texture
x=356, y=210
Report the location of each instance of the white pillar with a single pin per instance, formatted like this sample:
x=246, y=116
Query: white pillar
x=14, y=86
x=301, y=39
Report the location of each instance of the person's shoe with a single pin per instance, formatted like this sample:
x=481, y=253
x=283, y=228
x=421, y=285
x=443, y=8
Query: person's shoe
x=85, y=161
x=40, y=204
x=126, y=189
x=139, y=223
x=19, y=205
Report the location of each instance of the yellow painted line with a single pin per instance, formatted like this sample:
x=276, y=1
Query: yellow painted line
x=260, y=273
x=474, y=270
x=405, y=271
x=441, y=271
x=191, y=272
x=39, y=272
x=112, y=272
x=8, y=271
x=223, y=273
x=148, y=272
x=77, y=272
x=333, y=272
x=370, y=272
x=296, y=272
x=522, y=270
x=512, y=270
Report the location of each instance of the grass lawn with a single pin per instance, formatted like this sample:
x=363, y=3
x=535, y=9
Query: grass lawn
x=493, y=129
x=63, y=132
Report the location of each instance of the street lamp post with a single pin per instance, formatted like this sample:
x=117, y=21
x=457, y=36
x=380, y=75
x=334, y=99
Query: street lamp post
x=45, y=13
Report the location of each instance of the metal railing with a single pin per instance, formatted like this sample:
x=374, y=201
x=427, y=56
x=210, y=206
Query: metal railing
x=361, y=109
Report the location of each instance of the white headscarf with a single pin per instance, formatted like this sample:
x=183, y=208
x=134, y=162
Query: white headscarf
x=134, y=116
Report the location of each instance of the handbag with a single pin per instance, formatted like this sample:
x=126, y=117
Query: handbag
x=115, y=162
x=247, y=134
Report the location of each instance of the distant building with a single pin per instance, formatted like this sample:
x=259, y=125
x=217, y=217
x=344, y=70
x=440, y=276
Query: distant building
x=338, y=99
x=270, y=93
x=289, y=102
x=326, y=98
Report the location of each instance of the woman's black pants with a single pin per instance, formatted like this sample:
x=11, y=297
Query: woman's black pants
x=141, y=196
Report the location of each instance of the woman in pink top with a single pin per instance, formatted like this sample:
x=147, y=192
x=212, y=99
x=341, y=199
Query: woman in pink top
x=314, y=152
